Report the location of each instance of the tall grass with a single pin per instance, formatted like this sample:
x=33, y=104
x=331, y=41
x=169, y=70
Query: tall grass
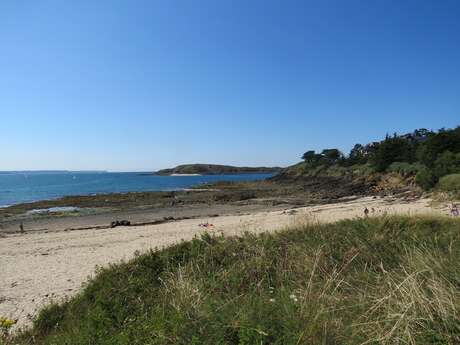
x=366, y=281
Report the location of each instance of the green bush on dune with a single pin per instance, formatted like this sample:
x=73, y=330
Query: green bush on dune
x=425, y=178
x=379, y=281
x=447, y=163
x=405, y=169
x=449, y=183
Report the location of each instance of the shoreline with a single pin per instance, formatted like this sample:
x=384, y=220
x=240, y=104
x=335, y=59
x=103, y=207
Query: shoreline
x=220, y=194
x=102, y=218
x=70, y=196
x=15, y=200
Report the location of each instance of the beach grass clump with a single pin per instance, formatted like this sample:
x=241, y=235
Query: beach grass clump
x=391, y=280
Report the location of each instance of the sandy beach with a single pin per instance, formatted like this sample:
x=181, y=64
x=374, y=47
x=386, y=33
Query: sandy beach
x=40, y=266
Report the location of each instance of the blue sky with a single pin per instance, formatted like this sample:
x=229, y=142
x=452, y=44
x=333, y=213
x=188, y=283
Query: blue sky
x=142, y=85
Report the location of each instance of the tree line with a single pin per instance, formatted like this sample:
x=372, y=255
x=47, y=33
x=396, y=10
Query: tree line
x=429, y=155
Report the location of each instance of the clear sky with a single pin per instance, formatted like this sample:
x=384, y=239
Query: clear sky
x=142, y=85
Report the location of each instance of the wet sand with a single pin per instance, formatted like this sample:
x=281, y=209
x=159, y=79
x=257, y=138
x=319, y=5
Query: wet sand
x=140, y=215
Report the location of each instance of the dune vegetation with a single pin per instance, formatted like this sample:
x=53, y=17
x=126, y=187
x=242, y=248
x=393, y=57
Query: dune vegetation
x=388, y=280
x=421, y=158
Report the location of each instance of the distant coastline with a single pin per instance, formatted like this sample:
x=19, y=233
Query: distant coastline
x=213, y=169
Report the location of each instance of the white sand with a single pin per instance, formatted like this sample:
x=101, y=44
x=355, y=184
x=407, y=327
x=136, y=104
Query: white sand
x=36, y=267
x=185, y=175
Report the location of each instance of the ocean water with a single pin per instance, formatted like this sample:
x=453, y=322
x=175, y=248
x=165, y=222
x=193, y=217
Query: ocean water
x=20, y=187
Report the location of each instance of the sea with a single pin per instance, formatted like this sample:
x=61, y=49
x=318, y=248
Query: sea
x=22, y=187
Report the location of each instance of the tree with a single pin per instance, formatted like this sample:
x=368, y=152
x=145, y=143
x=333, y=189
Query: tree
x=392, y=149
x=421, y=134
x=357, y=155
x=332, y=154
x=309, y=156
x=444, y=140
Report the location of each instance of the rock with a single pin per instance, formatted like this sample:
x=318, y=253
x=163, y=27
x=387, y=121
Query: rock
x=120, y=223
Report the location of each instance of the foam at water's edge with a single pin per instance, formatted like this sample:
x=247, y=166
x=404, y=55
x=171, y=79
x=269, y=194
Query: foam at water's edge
x=53, y=210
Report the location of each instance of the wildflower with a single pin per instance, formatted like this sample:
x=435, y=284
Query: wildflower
x=293, y=297
x=6, y=324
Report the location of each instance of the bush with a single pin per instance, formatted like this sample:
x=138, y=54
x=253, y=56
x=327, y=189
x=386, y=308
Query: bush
x=405, y=169
x=425, y=178
x=449, y=183
x=362, y=169
x=447, y=163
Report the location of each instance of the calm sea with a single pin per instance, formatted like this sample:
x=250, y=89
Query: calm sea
x=19, y=187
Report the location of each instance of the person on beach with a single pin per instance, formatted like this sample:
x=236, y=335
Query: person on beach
x=21, y=227
x=366, y=212
x=454, y=210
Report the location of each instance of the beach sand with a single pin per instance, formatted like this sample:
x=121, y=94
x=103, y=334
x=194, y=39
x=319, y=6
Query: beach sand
x=39, y=266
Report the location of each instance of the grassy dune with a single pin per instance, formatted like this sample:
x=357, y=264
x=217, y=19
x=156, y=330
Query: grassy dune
x=375, y=281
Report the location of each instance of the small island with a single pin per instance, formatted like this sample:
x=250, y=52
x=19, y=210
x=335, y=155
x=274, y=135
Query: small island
x=214, y=169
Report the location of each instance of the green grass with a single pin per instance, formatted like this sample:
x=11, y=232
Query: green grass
x=374, y=281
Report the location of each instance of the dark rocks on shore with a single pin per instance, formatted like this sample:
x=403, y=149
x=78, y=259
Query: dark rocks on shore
x=120, y=223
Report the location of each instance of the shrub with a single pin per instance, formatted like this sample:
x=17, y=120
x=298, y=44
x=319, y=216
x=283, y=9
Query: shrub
x=405, y=169
x=5, y=327
x=425, y=178
x=447, y=163
x=449, y=183
x=363, y=169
